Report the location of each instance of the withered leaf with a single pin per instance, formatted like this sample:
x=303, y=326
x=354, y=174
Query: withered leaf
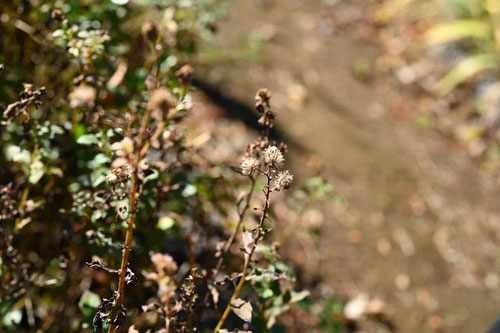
x=215, y=294
x=242, y=309
x=248, y=241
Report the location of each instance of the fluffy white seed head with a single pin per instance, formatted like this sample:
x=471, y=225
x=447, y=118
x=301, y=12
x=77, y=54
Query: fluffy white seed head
x=248, y=165
x=273, y=156
x=283, y=180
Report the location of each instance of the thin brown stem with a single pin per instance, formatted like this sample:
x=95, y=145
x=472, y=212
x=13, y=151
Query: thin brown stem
x=241, y=217
x=248, y=259
x=131, y=218
x=126, y=250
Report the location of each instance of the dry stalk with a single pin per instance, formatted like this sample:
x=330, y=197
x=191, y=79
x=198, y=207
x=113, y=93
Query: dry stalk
x=229, y=242
x=248, y=259
x=140, y=153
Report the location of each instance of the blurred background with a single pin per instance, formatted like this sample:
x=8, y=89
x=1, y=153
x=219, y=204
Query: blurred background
x=390, y=107
x=397, y=103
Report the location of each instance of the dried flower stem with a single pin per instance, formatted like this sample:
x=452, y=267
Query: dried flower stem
x=131, y=218
x=238, y=225
x=249, y=255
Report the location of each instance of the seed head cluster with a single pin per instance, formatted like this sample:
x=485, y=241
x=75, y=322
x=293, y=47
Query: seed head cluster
x=273, y=156
x=161, y=99
x=150, y=31
x=185, y=75
x=283, y=180
x=119, y=175
x=249, y=165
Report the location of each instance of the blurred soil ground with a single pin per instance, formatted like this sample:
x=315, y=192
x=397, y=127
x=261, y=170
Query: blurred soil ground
x=418, y=227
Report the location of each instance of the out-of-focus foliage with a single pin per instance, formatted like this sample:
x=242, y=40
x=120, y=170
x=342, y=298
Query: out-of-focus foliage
x=88, y=88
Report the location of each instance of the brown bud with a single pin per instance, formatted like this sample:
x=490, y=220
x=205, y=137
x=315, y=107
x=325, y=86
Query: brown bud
x=263, y=95
x=150, y=31
x=185, y=75
x=260, y=107
x=161, y=99
x=262, y=121
x=57, y=15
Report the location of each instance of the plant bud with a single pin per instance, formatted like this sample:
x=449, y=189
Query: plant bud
x=150, y=31
x=185, y=75
x=57, y=15
x=161, y=99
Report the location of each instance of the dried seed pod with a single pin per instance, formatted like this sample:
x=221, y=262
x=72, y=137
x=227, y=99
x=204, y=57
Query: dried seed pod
x=161, y=99
x=82, y=97
x=150, y=31
x=57, y=15
x=263, y=95
x=185, y=75
x=262, y=100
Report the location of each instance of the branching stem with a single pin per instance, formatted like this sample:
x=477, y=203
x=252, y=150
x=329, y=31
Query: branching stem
x=230, y=240
x=248, y=259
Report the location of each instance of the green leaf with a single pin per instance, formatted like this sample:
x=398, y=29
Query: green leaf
x=54, y=130
x=274, y=312
x=98, y=180
x=100, y=159
x=152, y=176
x=467, y=68
x=16, y=154
x=298, y=296
x=13, y=318
x=58, y=33
x=89, y=302
x=35, y=175
x=268, y=293
x=165, y=223
x=189, y=190
x=87, y=139
x=459, y=29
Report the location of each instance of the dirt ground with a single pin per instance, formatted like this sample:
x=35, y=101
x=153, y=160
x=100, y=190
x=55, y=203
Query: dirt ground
x=419, y=224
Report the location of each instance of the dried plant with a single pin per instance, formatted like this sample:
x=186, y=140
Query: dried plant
x=102, y=159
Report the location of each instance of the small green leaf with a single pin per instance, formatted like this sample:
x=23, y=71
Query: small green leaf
x=89, y=302
x=165, y=223
x=467, y=68
x=99, y=160
x=298, y=296
x=87, y=139
x=267, y=293
x=58, y=33
x=152, y=176
x=35, y=175
x=458, y=29
x=189, y=190
x=16, y=154
x=13, y=318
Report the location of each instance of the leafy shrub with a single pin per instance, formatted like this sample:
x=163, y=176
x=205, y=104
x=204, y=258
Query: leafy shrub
x=106, y=202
